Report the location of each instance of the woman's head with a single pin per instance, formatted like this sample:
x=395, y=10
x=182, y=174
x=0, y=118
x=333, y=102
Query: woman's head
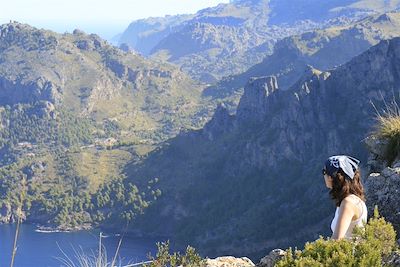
x=343, y=177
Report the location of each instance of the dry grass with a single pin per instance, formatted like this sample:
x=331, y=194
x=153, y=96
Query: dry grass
x=388, y=127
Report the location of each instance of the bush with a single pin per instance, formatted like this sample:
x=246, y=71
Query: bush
x=370, y=246
x=164, y=258
x=387, y=127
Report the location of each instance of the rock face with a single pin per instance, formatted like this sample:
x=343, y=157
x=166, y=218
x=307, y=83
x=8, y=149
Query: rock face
x=256, y=98
x=382, y=186
x=8, y=213
x=221, y=121
x=40, y=89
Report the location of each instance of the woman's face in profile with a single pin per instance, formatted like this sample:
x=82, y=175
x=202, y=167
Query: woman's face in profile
x=328, y=181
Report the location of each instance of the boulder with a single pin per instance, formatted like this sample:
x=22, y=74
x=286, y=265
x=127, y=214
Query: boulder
x=229, y=261
x=271, y=258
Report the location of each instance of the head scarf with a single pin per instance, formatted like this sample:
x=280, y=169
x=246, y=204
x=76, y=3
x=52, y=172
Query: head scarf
x=348, y=164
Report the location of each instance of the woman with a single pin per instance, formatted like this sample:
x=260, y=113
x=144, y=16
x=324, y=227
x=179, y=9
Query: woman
x=342, y=176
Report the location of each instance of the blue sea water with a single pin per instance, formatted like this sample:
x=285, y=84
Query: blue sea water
x=35, y=249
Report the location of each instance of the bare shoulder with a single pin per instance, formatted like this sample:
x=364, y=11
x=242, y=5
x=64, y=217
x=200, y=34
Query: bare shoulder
x=350, y=199
x=348, y=203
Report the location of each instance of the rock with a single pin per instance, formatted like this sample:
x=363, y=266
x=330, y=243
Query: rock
x=383, y=189
x=83, y=44
x=35, y=169
x=117, y=67
x=78, y=32
x=97, y=41
x=8, y=213
x=229, y=261
x=92, y=43
x=220, y=122
x=125, y=47
x=5, y=213
x=393, y=259
x=377, y=147
x=253, y=105
x=47, y=110
x=271, y=258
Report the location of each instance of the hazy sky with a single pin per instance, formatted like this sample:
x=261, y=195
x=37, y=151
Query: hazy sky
x=106, y=17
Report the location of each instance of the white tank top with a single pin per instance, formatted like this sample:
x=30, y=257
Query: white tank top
x=359, y=222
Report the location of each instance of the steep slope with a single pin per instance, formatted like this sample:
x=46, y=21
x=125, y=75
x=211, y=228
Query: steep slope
x=324, y=49
x=251, y=182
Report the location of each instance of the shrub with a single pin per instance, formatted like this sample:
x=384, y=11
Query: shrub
x=387, y=127
x=368, y=247
x=163, y=258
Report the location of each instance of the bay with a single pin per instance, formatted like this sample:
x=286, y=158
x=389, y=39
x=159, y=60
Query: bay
x=36, y=249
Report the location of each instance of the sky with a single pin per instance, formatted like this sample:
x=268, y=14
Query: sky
x=104, y=17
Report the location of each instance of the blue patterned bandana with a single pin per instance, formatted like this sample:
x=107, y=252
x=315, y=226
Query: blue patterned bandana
x=348, y=164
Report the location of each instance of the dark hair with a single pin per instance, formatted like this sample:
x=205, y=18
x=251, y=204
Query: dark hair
x=343, y=185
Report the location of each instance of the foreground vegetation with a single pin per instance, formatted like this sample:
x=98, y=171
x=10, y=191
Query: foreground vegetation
x=164, y=258
x=370, y=247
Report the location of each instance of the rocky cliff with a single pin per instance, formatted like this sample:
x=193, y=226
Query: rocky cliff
x=383, y=182
x=261, y=174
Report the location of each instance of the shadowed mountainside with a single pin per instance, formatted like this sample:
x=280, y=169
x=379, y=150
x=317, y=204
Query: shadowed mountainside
x=256, y=173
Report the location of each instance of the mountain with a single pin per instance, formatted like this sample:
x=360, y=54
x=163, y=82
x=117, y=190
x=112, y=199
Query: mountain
x=142, y=35
x=293, y=54
x=73, y=111
x=251, y=182
x=223, y=40
x=88, y=76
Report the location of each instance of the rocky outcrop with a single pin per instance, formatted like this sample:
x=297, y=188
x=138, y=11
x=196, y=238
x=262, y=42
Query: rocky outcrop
x=40, y=89
x=220, y=122
x=255, y=101
x=382, y=185
x=25, y=36
x=229, y=261
x=8, y=213
x=271, y=258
